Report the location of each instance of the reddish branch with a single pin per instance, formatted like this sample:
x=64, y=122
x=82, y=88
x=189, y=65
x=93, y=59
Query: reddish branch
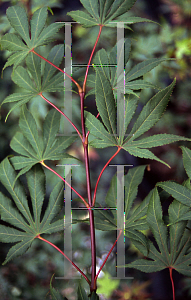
x=40, y=94
x=86, y=159
x=86, y=204
x=78, y=86
x=73, y=264
x=172, y=282
x=85, y=79
x=94, y=198
x=107, y=257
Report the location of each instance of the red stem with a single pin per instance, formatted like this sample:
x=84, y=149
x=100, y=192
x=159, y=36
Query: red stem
x=78, y=86
x=85, y=79
x=86, y=204
x=40, y=238
x=107, y=257
x=94, y=198
x=170, y=271
x=40, y=94
x=91, y=213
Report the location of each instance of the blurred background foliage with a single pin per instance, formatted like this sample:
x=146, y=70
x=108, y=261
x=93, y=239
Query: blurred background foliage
x=28, y=277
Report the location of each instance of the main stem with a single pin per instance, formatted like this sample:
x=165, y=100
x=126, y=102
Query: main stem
x=93, y=286
x=91, y=214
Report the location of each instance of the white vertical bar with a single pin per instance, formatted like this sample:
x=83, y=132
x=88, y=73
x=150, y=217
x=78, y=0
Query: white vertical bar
x=120, y=80
x=67, y=221
x=68, y=83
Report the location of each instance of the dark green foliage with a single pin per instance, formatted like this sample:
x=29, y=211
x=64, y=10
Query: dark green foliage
x=25, y=225
x=34, y=148
x=114, y=127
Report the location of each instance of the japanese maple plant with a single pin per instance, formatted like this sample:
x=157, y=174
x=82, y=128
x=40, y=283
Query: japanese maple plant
x=112, y=126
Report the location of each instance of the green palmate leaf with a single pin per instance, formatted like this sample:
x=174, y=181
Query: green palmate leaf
x=39, y=35
x=33, y=147
x=55, y=56
x=142, y=68
x=179, y=192
x=37, y=24
x=12, y=42
x=142, y=153
x=101, y=61
x=151, y=112
x=16, y=105
x=128, y=19
x=132, y=180
x=83, y=18
x=130, y=107
x=97, y=143
x=91, y=7
x=138, y=85
x=187, y=160
x=19, y=98
x=105, y=12
x=20, y=162
x=21, y=145
x=55, y=204
x=91, y=80
x=27, y=227
x=134, y=220
x=154, y=219
x=176, y=210
x=8, y=234
x=104, y=7
x=50, y=129
x=16, y=59
x=94, y=296
x=56, y=83
x=61, y=143
x=111, y=198
x=51, y=82
x=81, y=293
x=36, y=184
x=7, y=177
x=177, y=256
x=21, y=77
x=113, y=59
x=8, y=212
x=97, y=129
x=29, y=128
x=55, y=294
x=158, y=140
x=18, y=19
x=105, y=101
x=19, y=248
x=103, y=219
x=119, y=7
x=34, y=66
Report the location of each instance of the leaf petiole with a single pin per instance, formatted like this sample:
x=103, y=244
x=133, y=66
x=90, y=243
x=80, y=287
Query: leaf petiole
x=86, y=204
x=94, y=198
x=78, y=86
x=107, y=257
x=85, y=79
x=40, y=238
x=40, y=94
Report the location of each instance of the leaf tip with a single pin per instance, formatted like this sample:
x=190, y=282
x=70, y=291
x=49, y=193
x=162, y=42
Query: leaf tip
x=50, y=10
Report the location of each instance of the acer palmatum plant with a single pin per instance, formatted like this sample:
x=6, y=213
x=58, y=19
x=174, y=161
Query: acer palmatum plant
x=110, y=127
